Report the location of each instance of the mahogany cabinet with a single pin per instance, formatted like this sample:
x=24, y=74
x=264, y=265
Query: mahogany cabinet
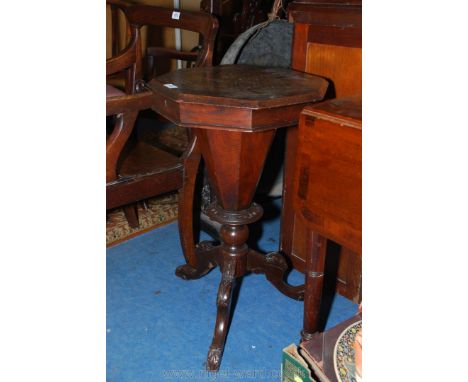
x=327, y=42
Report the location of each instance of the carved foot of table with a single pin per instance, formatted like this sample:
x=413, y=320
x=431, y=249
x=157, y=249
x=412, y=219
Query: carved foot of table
x=223, y=303
x=205, y=253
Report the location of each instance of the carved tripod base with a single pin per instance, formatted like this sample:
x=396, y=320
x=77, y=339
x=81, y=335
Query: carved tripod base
x=235, y=259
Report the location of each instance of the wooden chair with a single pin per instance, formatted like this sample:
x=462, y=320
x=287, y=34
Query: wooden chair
x=121, y=103
x=200, y=22
x=137, y=170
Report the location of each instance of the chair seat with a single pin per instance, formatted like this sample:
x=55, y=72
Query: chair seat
x=112, y=91
x=143, y=159
x=144, y=171
x=117, y=81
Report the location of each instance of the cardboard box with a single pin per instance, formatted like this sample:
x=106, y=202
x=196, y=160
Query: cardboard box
x=293, y=367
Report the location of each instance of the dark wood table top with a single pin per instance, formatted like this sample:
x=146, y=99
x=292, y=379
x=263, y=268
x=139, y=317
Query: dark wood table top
x=236, y=97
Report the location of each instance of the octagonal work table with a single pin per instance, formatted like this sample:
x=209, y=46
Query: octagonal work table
x=234, y=112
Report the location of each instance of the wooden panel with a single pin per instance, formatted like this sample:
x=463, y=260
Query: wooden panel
x=299, y=52
x=349, y=274
x=326, y=15
x=287, y=212
x=300, y=244
x=340, y=64
x=328, y=180
x=334, y=35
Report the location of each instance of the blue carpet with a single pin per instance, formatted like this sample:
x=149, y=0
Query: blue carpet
x=159, y=327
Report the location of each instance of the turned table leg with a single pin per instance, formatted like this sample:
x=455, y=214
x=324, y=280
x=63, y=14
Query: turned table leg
x=232, y=258
x=315, y=264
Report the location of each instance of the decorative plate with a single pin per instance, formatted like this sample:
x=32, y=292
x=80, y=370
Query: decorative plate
x=343, y=355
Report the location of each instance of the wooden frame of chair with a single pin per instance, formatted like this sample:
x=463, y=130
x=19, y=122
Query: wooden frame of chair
x=170, y=172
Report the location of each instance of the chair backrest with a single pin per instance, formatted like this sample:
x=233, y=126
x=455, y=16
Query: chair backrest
x=118, y=27
x=126, y=107
x=200, y=22
x=123, y=60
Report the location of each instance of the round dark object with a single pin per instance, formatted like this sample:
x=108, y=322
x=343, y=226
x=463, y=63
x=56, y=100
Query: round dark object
x=267, y=44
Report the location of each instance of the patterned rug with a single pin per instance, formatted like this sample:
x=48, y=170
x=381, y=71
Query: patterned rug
x=160, y=210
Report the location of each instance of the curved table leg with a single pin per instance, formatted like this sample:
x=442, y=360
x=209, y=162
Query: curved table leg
x=223, y=302
x=274, y=266
x=206, y=254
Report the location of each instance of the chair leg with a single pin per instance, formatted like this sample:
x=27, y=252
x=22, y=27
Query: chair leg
x=186, y=197
x=131, y=214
